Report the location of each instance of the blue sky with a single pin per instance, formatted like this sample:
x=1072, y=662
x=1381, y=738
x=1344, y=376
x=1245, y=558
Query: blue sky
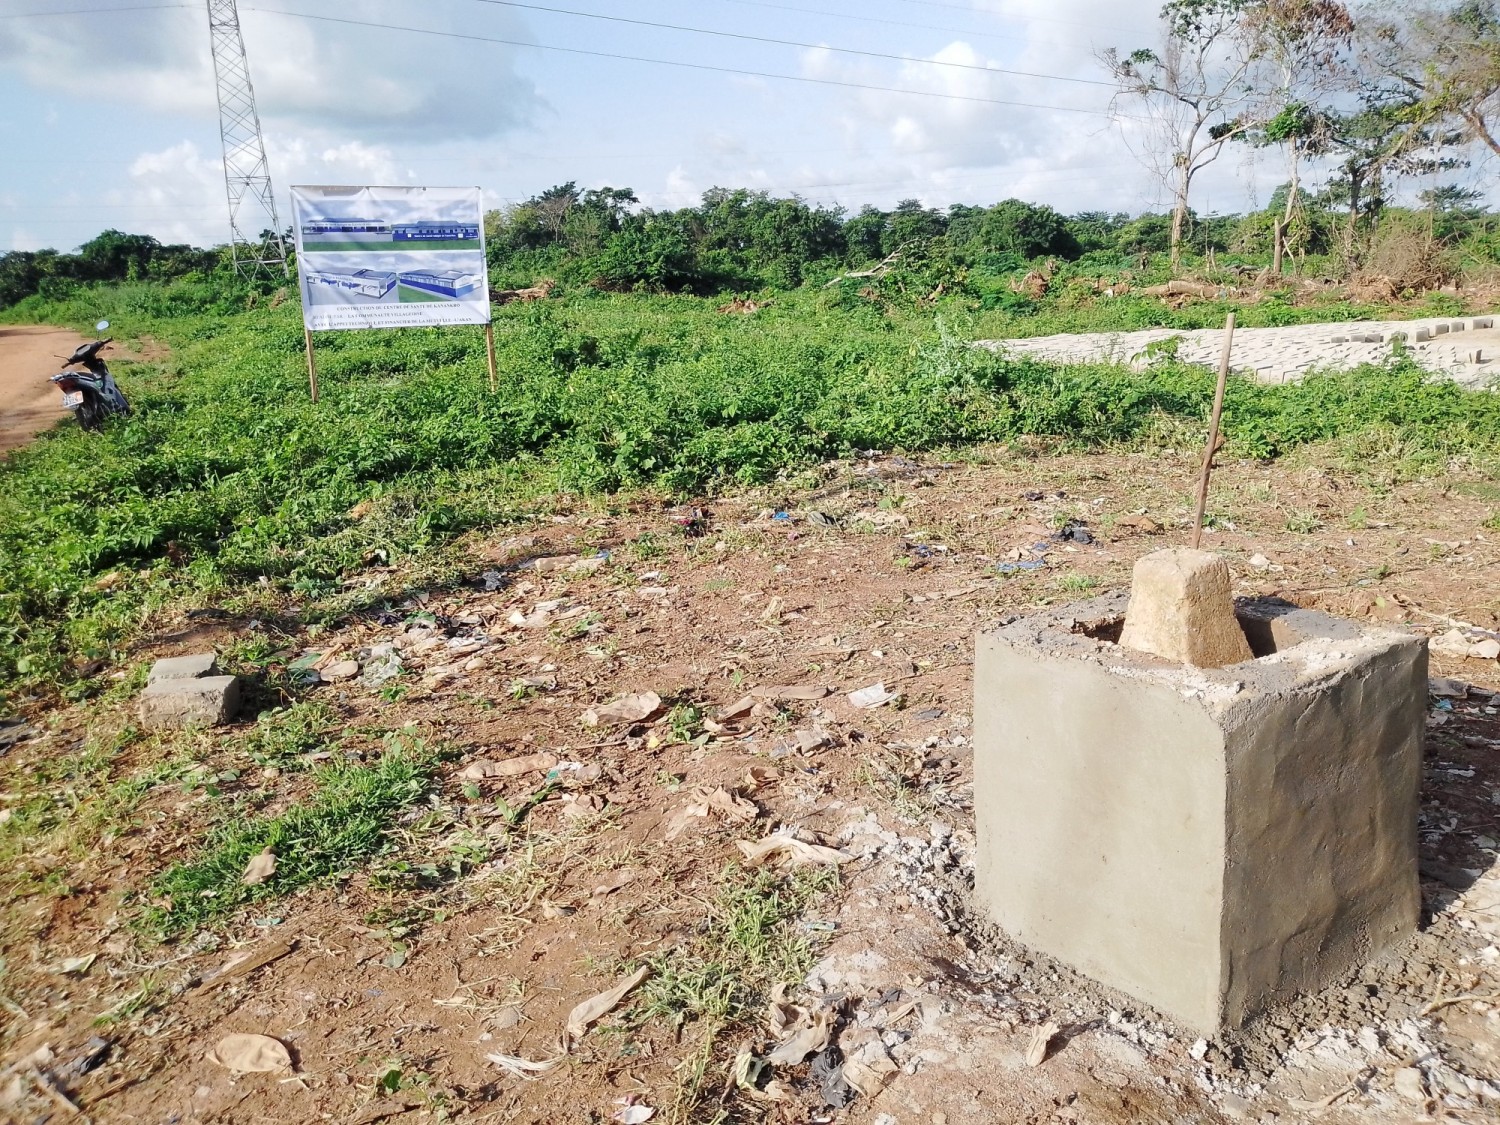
x=110, y=117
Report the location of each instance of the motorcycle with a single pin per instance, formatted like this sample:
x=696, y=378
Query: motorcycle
x=93, y=396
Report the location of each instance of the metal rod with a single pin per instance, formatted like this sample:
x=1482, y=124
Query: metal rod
x=1213, y=433
x=312, y=367
x=489, y=347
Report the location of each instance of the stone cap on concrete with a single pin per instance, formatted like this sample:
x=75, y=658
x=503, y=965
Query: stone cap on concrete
x=1295, y=649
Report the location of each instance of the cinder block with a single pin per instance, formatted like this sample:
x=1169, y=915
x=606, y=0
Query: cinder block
x=1439, y=329
x=188, y=667
x=1209, y=841
x=1484, y=322
x=177, y=704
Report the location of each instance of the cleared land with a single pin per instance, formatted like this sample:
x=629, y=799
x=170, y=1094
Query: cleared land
x=491, y=907
x=30, y=404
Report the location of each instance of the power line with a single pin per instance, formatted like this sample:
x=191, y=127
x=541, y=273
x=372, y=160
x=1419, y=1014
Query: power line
x=1027, y=16
x=684, y=65
x=792, y=43
x=92, y=11
x=874, y=19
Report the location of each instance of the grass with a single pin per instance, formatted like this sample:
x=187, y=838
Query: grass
x=346, y=821
x=722, y=980
x=227, y=487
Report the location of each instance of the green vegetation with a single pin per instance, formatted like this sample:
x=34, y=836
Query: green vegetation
x=228, y=487
x=346, y=820
x=750, y=943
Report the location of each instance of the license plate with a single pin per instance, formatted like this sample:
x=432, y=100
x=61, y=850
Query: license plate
x=73, y=400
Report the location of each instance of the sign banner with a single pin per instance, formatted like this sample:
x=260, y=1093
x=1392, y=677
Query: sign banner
x=390, y=257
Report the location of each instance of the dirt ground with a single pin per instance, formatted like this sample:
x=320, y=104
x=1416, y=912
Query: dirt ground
x=30, y=404
x=877, y=571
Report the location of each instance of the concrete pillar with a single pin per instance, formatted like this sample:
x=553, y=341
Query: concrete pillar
x=1210, y=841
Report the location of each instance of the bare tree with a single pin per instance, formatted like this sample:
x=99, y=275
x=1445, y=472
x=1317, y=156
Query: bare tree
x=1194, y=91
x=1305, y=46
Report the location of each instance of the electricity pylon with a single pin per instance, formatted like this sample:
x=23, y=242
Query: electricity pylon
x=256, y=243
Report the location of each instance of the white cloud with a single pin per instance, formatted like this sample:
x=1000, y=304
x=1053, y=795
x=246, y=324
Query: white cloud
x=383, y=85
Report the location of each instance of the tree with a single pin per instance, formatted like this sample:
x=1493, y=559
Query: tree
x=1195, y=92
x=1450, y=57
x=1305, y=46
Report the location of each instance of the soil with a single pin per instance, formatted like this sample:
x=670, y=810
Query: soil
x=878, y=571
x=30, y=404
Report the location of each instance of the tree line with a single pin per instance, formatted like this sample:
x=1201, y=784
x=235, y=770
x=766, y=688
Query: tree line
x=1372, y=94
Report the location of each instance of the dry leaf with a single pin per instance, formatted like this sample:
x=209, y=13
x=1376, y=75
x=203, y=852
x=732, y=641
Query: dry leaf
x=873, y=696
x=736, y=709
x=773, y=610
x=343, y=670
x=633, y=1114
x=526, y=1069
x=78, y=965
x=806, y=741
x=808, y=1039
x=780, y=848
x=582, y=1017
x=552, y=909
x=248, y=960
x=760, y=777
x=1041, y=1039
x=870, y=1075
x=251, y=1054
x=793, y=692
x=260, y=868
x=628, y=709
x=707, y=803
x=485, y=770
x=507, y=1017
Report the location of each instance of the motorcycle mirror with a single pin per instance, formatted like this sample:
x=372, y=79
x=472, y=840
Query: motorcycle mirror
x=101, y=326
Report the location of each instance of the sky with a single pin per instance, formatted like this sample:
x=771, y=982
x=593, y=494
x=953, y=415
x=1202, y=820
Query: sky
x=110, y=115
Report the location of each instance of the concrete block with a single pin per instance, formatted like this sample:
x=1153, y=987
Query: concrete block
x=1439, y=329
x=1210, y=841
x=188, y=667
x=1181, y=610
x=177, y=704
x=1484, y=322
x=1421, y=335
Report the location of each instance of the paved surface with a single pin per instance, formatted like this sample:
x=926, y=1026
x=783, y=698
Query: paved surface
x=1465, y=349
x=30, y=404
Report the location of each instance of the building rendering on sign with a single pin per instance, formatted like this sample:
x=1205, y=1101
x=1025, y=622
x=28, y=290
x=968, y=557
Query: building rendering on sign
x=373, y=284
x=454, y=284
x=434, y=231
x=319, y=228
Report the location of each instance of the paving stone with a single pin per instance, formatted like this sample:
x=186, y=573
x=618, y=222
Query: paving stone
x=188, y=667
x=177, y=704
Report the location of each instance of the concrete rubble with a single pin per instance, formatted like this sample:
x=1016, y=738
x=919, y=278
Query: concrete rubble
x=188, y=691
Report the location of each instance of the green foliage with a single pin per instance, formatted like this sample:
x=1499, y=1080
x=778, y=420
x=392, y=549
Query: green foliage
x=345, y=822
x=228, y=483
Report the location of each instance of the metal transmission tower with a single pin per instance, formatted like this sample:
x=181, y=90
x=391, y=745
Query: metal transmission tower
x=256, y=242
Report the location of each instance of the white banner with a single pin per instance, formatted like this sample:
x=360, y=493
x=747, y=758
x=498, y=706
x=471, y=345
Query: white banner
x=390, y=257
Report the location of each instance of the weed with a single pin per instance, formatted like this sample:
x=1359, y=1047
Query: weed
x=749, y=943
x=685, y=722
x=286, y=736
x=646, y=546
x=1358, y=520
x=1076, y=583
x=1303, y=522
x=718, y=585
x=346, y=821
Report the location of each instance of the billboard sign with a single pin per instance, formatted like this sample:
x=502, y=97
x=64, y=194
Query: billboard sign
x=390, y=257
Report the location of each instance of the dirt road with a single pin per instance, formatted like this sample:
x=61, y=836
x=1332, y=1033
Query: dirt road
x=30, y=404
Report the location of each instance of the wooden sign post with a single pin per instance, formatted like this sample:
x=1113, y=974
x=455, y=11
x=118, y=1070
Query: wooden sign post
x=312, y=367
